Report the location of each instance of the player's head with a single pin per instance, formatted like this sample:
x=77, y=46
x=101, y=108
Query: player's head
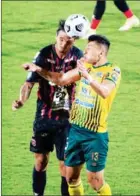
x=97, y=48
x=63, y=41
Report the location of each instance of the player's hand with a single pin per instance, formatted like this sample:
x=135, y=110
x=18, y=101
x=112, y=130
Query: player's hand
x=82, y=69
x=16, y=105
x=30, y=67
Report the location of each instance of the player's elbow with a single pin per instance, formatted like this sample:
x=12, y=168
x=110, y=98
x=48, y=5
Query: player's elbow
x=28, y=85
x=104, y=94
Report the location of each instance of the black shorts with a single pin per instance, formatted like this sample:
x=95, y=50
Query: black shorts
x=48, y=134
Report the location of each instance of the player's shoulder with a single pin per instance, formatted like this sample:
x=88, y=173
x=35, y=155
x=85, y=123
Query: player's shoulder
x=113, y=68
x=45, y=50
x=116, y=69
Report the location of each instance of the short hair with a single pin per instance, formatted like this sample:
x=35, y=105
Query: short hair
x=100, y=39
x=60, y=26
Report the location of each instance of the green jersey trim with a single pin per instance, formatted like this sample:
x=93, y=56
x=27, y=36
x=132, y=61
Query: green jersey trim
x=106, y=64
x=110, y=80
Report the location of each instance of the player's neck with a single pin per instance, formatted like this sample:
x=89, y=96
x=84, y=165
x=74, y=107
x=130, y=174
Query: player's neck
x=101, y=62
x=61, y=55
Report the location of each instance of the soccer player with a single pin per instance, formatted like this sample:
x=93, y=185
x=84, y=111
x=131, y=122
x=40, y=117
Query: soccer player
x=131, y=19
x=53, y=104
x=88, y=137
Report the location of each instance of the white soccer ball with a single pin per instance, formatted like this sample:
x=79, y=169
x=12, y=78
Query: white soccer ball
x=77, y=25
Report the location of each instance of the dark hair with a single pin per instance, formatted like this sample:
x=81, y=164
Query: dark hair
x=100, y=39
x=60, y=26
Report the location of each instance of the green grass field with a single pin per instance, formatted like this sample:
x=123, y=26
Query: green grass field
x=29, y=26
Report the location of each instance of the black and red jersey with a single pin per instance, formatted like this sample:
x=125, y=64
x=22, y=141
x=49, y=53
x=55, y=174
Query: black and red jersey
x=54, y=102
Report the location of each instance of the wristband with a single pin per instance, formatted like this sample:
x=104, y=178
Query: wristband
x=20, y=103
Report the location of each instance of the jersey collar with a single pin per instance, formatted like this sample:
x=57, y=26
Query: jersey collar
x=106, y=64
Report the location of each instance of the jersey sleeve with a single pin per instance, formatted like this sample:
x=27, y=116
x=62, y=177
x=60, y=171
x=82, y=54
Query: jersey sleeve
x=114, y=75
x=32, y=77
x=40, y=61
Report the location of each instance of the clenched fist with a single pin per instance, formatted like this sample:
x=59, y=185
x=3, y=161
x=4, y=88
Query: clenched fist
x=16, y=105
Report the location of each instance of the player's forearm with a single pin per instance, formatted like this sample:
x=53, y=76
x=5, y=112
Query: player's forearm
x=25, y=92
x=43, y=73
x=59, y=79
x=100, y=89
x=53, y=77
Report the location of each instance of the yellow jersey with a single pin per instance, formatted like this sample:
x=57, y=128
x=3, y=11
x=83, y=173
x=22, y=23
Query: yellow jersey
x=90, y=110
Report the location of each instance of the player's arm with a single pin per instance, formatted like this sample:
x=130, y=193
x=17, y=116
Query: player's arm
x=103, y=89
x=69, y=77
x=60, y=79
x=26, y=88
x=24, y=95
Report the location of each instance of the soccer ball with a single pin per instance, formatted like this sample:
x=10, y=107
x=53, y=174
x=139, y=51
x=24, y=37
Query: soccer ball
x=76, y=25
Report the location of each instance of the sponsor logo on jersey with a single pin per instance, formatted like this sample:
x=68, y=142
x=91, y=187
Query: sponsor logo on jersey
x=51, y=61
x=84, y=104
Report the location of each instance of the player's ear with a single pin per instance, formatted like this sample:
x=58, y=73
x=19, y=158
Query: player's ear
x=100, y=54
x=104, y=50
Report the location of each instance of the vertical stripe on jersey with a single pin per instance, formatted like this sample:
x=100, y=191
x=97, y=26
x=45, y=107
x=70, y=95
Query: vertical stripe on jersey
x=98, y=120
x=93, y=121
x=73, y=111
x=96, y=114
x=83, y=115
x=89, y=117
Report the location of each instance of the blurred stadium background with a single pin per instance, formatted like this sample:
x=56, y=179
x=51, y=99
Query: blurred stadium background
x=28, y=26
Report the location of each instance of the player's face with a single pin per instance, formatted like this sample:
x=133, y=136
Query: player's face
x=92, y=53
x=64, y=42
